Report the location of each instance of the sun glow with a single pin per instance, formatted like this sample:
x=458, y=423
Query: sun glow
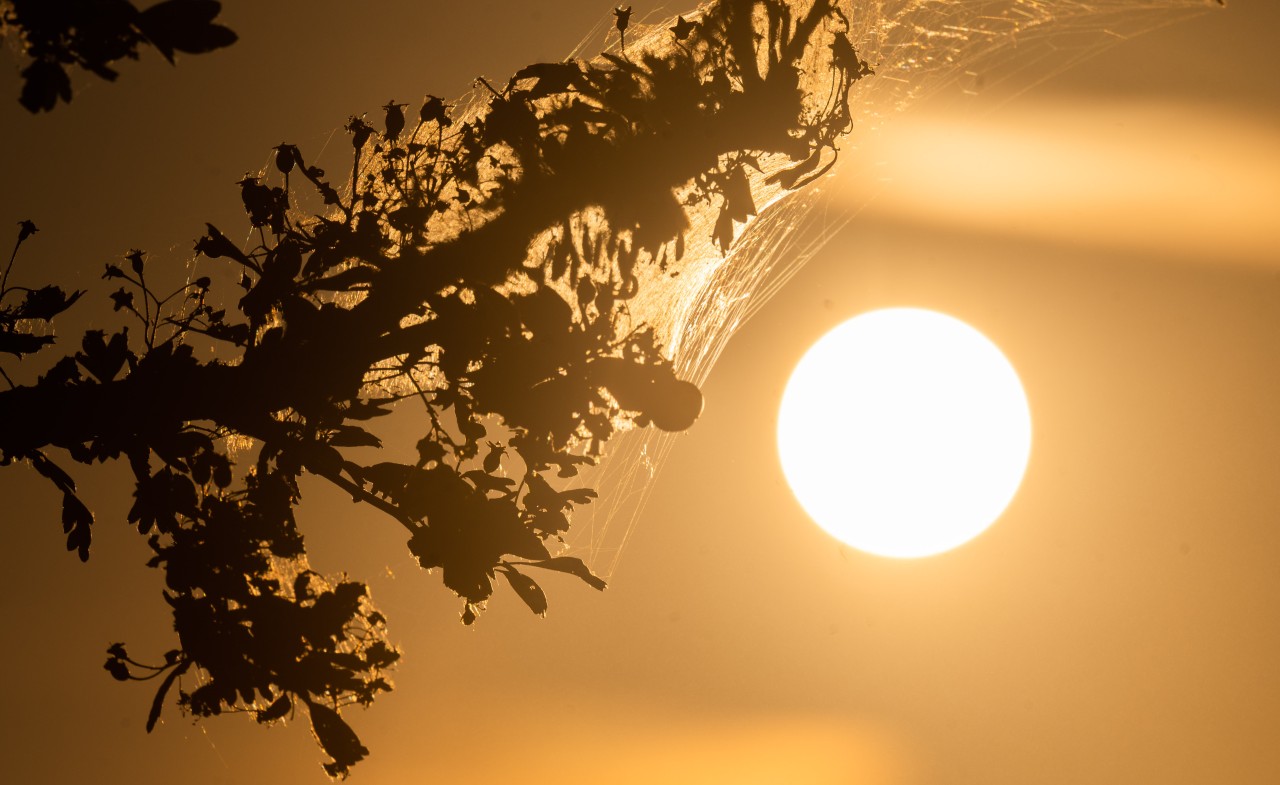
x=904, y=432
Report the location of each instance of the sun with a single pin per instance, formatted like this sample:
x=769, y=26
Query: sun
x=904, y=432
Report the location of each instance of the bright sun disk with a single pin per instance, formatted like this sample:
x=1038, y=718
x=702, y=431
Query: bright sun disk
x=904, y=432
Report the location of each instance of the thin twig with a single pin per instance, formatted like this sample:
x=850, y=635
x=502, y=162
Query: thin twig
x=4, y=280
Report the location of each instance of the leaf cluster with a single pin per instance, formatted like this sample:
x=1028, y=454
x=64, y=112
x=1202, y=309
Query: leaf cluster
x=478, y=266
x=93, y=34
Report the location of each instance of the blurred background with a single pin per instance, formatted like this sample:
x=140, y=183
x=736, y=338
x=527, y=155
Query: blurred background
x=1114, y=228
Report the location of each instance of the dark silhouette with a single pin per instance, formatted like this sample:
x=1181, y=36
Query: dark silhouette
x=621, y=19
x=682, y=28
x=465, y=271
x=93, y=34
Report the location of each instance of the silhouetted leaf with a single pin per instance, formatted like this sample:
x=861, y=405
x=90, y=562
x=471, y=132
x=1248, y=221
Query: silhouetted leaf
x=21, y=343
x=723, y=232
x=44, y=82
x=64, y=372
x=737, y=196
x=337, y=739
x=577, y=496
x=528, y=589
x=45, y=303
x=573, y=566
x=352, y=436
x=788, y=178
x=551, y=523
x=379, y=654
x=185, y=26
x=276, y=710
x=345, y=280
x=231, y=333
x=552, y=78
x=209, y=464
x=366, y=410
x=77, y=522
x=215, y=245
x=103, y=358
x=206, y=700
x=49, y=469
x=487, y=482
x=160, y=499
x=157, y=703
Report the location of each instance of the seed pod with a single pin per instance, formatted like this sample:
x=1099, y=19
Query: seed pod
x=286, y=157
x=434, y=109
x=135, y=260
x=394, y=119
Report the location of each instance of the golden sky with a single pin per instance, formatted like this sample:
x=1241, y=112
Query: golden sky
x=1115, y=229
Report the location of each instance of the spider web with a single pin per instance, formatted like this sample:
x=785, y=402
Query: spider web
x=917, y=48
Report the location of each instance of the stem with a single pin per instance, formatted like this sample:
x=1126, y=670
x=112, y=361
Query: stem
x=148, y=333
x=355, y=183
x=137, y=664
x=360, y=494
x=4, y=280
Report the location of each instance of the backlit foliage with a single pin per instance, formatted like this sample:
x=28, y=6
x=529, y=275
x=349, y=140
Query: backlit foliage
x=54, y=35
x=478, y=267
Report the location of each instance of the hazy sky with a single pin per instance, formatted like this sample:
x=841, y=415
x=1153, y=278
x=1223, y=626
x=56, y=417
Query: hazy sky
x=1114, y=228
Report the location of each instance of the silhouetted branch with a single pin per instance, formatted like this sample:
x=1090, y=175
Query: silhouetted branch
x=483, y=270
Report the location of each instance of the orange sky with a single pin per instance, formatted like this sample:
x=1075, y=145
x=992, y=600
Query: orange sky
x=1115, y=229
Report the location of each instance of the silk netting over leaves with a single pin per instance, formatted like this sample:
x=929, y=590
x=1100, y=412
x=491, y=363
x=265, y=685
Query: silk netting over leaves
x=915, y=48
